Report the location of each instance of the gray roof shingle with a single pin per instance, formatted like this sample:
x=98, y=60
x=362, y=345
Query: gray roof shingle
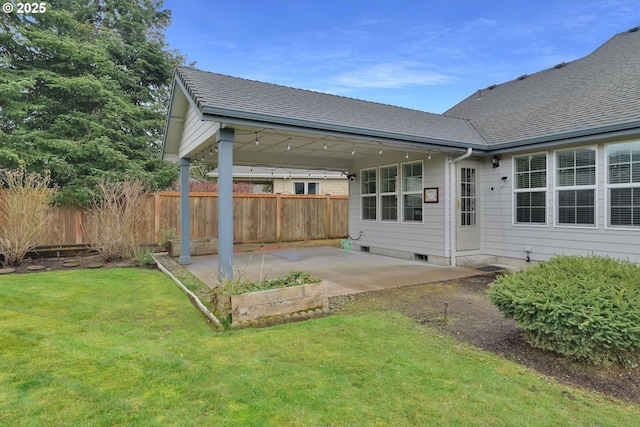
x=598, y=90
x=220, y=91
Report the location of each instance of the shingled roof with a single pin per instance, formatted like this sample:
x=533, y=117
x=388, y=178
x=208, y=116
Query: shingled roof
x=599, y=90
x=247, y=98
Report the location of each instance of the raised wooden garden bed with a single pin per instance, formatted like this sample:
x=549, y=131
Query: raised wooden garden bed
x=274, y=306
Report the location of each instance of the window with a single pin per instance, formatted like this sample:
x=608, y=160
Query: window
x=530, y=189
x=368, y=193
x=468, y=198
x=576, y=186
x=623, y=184
x=388, y=193
x=412, y=191
x=306, y=187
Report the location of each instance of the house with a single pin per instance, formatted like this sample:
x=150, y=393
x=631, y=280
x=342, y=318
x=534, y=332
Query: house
x=548, y=163
x=291, y=181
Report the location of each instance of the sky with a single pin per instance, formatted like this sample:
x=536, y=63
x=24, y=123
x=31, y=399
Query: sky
x=422, y=54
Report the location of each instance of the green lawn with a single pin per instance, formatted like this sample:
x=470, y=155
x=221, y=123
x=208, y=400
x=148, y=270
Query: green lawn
x=125, y=347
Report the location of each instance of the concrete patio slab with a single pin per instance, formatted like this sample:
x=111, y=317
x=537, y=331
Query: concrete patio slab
x=346, y=272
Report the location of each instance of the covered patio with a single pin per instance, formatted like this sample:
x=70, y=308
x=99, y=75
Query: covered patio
x=228, y=121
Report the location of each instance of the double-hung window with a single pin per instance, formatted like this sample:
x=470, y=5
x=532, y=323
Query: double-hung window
x=623, y=184
x=576, y=186
x=368, y=193
x=412, y=191
x=530, y=189
x=389, y=193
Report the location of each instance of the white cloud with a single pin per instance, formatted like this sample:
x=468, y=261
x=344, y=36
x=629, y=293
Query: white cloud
x=391, y=75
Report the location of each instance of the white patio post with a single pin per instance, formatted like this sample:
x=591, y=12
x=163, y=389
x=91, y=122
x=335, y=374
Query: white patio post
x=185, y=215
x=225, y=139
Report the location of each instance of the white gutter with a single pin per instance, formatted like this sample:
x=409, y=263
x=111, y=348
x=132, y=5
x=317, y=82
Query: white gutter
x=453, y=218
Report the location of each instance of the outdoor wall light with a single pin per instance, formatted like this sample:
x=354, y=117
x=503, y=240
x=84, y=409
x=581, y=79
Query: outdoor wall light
x=495, y=162
x=351, y=176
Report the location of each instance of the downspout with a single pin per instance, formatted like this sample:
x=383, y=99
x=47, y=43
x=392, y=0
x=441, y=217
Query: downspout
x=453, y=220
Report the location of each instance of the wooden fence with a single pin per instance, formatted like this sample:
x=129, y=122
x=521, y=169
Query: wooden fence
x=256, y=218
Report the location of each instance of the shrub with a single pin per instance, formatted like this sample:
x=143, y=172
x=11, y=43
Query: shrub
x=115, y=216
x=25, y=211
x=583, y=307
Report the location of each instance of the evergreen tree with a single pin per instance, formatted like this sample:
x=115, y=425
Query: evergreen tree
x=83, y=92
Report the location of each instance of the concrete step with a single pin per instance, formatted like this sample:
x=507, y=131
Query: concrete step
x=475, y=261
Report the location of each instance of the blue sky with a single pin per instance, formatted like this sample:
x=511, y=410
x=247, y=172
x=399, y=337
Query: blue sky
x=427, y=55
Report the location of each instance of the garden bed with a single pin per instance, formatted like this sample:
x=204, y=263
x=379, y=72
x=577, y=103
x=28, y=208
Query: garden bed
x=253, y=304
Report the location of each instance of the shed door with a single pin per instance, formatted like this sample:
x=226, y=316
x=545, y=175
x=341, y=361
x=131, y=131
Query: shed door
x=467, y=213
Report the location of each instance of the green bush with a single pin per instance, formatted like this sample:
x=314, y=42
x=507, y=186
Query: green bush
x=584, y=307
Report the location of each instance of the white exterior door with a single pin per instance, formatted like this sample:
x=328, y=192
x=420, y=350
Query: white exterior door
x=467, y=203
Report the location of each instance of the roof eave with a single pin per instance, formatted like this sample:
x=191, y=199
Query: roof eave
x=616, y=130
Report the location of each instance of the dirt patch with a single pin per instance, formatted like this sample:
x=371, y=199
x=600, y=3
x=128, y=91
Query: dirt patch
x=462, y=309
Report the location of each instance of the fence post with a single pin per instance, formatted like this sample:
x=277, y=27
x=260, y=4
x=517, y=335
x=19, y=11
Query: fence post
x=327, y=218
x=78, y=227
x=278, y=215
x=156, y=216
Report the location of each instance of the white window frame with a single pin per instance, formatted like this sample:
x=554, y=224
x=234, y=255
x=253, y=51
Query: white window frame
x=558, y=188
x=306, y=187
x=417, y=192
x=544, y=189
x=382, y=194
x=609, y=187
x=373, y=195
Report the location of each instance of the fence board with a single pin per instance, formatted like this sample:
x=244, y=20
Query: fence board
x=257, y=218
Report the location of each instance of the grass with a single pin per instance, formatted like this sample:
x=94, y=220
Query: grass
x=125, y=347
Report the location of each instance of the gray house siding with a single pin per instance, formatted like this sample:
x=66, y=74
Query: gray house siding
x=400, y=238
x=505, y=239
x=196, y=132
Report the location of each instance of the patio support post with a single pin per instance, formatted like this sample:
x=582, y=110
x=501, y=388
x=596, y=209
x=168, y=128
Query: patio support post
x=185, y=214
x=225, y=139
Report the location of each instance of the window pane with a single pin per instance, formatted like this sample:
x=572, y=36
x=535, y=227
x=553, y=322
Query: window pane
x=389, y=208
x=566, y=159
x=585, y=157
x=369, y=207
x=313, y=188
x=531, y=171
x=586, y=176
x=298, y=187
x=412, y=207
x=531, y=207
x=368, y=181
x=624, y=206
x=566, y=178
x=576, y=207
x=635, y=172
x=412, y=176
x=388, y=176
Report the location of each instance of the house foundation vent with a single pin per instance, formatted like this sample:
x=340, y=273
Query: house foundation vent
x=421, y=257
x=364, y=248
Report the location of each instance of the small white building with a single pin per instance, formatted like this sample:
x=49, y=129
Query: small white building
x=291, y=180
